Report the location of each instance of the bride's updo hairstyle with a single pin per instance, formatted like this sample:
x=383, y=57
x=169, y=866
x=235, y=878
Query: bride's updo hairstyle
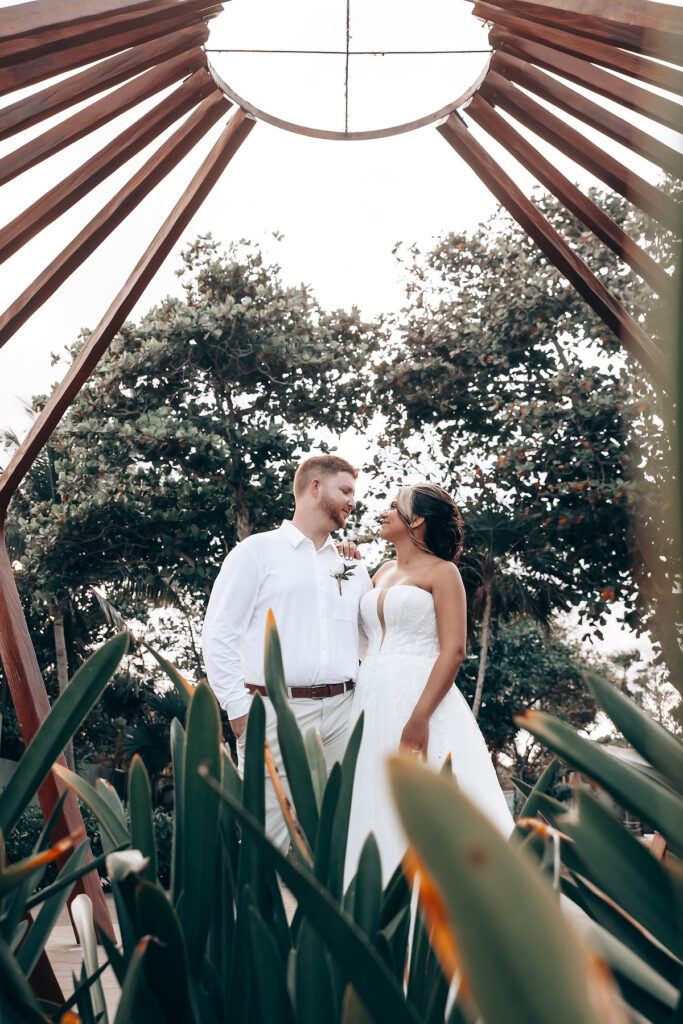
x=443, y=522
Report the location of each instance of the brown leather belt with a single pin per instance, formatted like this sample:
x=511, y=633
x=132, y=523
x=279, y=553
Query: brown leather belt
x=317, y=692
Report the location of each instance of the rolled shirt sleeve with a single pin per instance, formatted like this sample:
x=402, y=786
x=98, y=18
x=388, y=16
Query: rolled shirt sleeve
x=229, y=612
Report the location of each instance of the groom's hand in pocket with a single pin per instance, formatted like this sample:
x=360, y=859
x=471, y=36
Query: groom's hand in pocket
x=238, y=725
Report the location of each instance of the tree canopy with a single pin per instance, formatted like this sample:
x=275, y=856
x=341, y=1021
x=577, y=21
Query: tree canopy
x=186, y=436
x=527, y=401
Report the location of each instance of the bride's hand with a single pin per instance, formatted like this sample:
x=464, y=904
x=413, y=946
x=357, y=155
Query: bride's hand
x=349, y=550
x=415, y=736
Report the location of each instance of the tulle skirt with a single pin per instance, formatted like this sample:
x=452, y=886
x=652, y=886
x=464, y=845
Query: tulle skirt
x=387, y=690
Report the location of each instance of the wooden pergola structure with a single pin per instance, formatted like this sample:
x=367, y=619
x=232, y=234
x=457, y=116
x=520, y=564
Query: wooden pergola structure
x=622, y=51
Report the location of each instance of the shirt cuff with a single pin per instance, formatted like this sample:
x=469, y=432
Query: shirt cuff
x=239, y=706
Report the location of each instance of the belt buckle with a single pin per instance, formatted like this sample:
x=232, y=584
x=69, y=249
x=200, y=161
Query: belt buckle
x=320, y=692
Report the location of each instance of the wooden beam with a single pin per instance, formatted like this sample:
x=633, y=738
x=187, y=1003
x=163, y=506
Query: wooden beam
x=651, y=28
x=586, y=49
x=32, y=706
x=574, y=103
x=553, y=245
x=16, y=650
x=26, y=48
x=15, y=117
x=19, y=76
x=54, y=15
x=113, y=213
x=498, y=91
x=114, y=154
x=203, y=181
x=588, y=212
x=629, y=95
x=99, y=113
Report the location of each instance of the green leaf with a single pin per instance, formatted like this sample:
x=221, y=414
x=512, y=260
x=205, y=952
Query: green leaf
x=136, y=1006
x=178, y=759
x=68, y=711
x=17, y=1001
x=649, y=800
x=340, y=830
x=316, y=763
x=291, y=743
x=272, y=997
x=40, y=930
x=105, y=789
x=367, y=904
x=166, y=964
x=613, y=920
x=108, y=819
x=353, y=1009
x=253, y=795
x=200, y=820
x=517, y=974
x=183, y=687
x=348, y=944
x=65, y=880
x=542, y=786
x=315, y=1000
x=626, y=963
x=141, y=819
x=626, y=871
x=323, y=840
x=656, y=744
x=17, y=905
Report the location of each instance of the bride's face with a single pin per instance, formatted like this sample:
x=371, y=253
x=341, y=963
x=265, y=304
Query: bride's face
x=391, y=524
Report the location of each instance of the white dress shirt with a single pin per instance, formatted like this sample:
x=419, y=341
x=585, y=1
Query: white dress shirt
x=318, y=626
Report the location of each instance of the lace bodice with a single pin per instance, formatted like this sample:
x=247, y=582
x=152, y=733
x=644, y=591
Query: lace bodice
x=409, y=621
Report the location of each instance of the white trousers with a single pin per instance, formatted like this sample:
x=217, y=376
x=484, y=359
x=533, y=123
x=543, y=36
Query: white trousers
x=330, y=717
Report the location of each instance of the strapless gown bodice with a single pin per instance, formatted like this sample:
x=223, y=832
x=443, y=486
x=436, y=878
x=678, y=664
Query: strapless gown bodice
x=409, y=622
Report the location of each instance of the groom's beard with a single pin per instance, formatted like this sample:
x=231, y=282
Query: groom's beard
x=336, y=512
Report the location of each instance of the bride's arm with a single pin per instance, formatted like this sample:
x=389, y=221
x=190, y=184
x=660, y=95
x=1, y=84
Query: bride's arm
x=450, y=605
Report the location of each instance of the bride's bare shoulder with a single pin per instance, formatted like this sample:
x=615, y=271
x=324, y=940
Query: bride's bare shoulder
x=447, y=574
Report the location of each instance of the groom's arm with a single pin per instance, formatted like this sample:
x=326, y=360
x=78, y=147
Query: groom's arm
x=229, y=612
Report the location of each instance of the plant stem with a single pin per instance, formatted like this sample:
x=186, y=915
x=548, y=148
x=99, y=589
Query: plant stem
x=483, y=654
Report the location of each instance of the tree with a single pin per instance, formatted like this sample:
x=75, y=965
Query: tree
x=186, y=436
x=498, y=586
x=529, y=667
x=529, y=403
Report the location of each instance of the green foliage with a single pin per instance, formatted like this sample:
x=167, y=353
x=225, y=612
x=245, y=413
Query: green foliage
x=19, y=879
x=185, y=437
x=220, y=941
x=528, y=667
x=528, y=402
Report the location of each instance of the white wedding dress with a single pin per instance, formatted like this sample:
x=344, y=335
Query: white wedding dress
x=401, y=652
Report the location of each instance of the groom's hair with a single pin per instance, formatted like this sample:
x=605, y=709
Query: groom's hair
x=320, y=465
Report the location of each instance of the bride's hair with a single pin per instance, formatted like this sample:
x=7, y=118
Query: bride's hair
x=443, y=522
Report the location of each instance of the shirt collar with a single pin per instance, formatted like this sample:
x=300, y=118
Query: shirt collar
x=295, y=536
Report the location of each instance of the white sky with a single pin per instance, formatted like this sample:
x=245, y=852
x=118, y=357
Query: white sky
x=340, y=205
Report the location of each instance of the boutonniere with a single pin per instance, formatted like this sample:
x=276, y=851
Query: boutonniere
x=340, y=572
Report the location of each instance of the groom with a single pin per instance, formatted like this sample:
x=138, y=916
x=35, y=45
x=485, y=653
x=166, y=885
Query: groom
x=290, y=570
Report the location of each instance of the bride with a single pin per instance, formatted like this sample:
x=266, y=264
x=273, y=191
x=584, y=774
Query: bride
x=415, y=622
